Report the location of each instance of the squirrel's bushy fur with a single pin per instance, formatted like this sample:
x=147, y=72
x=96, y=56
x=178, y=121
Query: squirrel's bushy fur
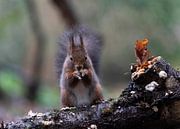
x=77, y=66
x=93, y=44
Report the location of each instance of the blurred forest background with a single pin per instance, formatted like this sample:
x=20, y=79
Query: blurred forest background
x=29, y=30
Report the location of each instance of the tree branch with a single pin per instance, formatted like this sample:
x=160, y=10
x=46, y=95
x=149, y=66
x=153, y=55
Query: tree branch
x=139, y=106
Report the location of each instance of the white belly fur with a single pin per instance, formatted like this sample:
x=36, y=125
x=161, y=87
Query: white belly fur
x=82, y=94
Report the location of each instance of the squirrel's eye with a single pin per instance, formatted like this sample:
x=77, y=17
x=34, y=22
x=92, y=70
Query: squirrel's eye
x=71, y=58
x=85, y=57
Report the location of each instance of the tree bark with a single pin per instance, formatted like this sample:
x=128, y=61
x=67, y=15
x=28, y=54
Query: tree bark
x=138, y=106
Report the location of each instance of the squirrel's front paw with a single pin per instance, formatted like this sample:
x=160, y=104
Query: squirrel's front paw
x=84, y=72
x=77, y=75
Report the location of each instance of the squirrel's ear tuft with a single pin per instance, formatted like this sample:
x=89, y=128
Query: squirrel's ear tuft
x=81, y=40
x=71, y=42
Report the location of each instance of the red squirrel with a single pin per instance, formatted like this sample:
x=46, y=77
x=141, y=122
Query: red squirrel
x=78, y=67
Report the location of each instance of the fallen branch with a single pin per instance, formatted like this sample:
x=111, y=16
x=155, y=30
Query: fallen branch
x=150, y=101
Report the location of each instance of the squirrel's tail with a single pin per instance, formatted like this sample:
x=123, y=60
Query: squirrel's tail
x=93, y=43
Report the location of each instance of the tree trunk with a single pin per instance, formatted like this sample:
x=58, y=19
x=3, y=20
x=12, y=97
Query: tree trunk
x=34, y=83
x=66, y=11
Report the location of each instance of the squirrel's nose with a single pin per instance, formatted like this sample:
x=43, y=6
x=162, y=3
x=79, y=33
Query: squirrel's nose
x=79, y=67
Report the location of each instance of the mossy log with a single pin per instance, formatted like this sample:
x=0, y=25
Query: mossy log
x=150, y=101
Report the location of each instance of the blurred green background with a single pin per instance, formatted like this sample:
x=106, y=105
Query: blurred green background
x=29, y=30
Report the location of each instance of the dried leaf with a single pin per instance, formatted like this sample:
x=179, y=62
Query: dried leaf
x=141, y=51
